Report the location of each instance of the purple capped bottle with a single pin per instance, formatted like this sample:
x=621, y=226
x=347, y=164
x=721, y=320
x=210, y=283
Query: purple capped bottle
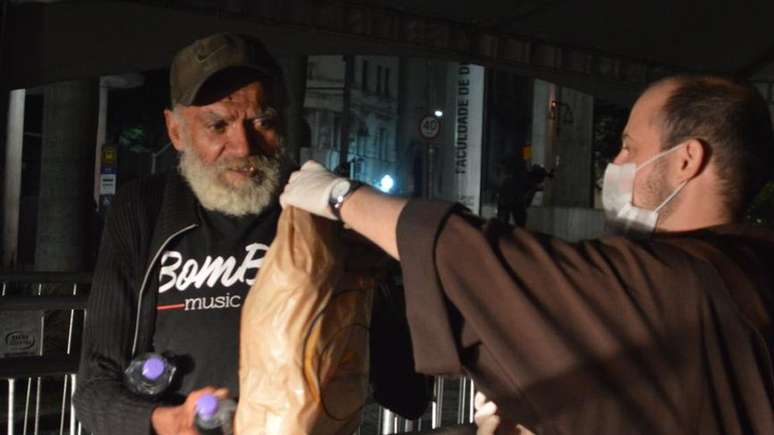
x=214, y=416
x=149, y=374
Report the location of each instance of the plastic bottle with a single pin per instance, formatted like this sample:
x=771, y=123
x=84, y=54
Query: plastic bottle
x=214, y=416
x=149, y=374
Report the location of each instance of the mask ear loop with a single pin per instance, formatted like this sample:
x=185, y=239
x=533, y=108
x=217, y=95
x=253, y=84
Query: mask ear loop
x=679, y=188
x=671, y=196
x=658, y=156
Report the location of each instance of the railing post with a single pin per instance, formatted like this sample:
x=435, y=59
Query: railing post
x=63, y=409
x=73, y=422
x=437, y=408
x=472, y=408
x=388, y=421
x=462, y=398
x=11, y=394
x=69, y=377
x=38, y=392
x=27, y=405
x=39, y=383
x=471, y=404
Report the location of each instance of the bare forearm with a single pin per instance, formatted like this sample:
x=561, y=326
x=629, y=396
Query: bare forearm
x=375, y=216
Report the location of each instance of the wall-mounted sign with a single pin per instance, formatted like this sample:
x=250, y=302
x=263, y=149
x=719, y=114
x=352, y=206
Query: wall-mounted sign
x=429, y=127
x=107, y=184
x=19, y=333
x=468, y=132
x=109, y=155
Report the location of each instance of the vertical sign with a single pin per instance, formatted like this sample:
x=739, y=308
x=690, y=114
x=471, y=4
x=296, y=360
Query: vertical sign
x=107, y=176
x=429, y=127
x=469, y=122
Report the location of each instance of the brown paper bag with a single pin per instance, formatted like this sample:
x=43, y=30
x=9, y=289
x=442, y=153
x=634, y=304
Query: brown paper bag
x=303, y=364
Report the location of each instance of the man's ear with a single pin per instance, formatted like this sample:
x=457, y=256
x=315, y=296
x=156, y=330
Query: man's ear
x=174, y=128
x=693, y=159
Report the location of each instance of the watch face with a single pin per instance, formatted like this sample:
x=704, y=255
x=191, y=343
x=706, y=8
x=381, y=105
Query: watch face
x=340, y=189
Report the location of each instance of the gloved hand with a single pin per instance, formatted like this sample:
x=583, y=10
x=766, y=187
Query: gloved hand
x=310, y=189
x=489, y=423
x=486, y=417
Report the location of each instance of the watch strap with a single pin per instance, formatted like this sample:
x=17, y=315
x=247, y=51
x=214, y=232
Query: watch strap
x=335, y=203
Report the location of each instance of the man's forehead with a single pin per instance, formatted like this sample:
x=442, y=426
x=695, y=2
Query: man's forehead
x=651, y=102
x=647, y=110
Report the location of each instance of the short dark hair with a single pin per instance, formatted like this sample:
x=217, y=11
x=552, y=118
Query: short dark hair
x=731, y=118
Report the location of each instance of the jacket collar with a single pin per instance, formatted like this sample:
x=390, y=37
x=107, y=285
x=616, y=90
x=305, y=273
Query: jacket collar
x=178, y=210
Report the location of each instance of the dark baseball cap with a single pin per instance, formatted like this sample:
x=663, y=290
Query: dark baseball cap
x=196, y=63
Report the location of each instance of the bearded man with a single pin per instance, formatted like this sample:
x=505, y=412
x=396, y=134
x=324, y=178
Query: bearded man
x=180, y=251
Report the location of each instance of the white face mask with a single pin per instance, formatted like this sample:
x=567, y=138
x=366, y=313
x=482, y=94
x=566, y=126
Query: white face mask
x=617, y=195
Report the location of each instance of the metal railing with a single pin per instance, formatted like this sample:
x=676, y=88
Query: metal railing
x=34, y=380
x=41, y=384
x=452, y=404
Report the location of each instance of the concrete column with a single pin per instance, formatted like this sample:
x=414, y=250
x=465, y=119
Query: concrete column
x=572, y=185
x=12, y=176
x=65, y=205
x=346, y=115
x=298, y=130
x=406, y=139
x=562, y=129
x=542, y=137
x=101, y=135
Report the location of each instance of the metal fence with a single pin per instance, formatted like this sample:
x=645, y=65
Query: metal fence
x=41, y=315
x=452, y=405
x=41, y=319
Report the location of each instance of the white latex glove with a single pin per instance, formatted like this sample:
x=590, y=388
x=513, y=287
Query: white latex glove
x=489, y=423
x=486, y=417
x=310, y=189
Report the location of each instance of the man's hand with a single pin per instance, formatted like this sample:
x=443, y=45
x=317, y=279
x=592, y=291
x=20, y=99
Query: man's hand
x=179, y=420
x=310, y=189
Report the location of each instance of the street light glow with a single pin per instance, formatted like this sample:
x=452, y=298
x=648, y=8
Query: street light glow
x=386, y=184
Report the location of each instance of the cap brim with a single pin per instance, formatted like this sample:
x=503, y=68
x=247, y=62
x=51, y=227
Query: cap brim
x=190, y=96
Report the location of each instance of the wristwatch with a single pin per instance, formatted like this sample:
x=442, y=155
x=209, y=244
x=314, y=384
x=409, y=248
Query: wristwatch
x=339, y=193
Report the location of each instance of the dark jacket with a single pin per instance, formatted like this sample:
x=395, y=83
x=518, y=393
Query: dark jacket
x=670, y=335
x=144, y=218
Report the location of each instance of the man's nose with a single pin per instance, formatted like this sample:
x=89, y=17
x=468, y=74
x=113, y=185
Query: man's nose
x=240, y=142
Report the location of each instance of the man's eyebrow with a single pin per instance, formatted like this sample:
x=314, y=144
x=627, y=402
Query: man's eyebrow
x=214, y=116
x=267, y=113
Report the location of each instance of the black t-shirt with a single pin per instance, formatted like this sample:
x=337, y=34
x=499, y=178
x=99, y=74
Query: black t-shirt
x=203, y=281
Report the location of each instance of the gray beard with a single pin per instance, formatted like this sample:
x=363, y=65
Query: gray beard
x=214, y=193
